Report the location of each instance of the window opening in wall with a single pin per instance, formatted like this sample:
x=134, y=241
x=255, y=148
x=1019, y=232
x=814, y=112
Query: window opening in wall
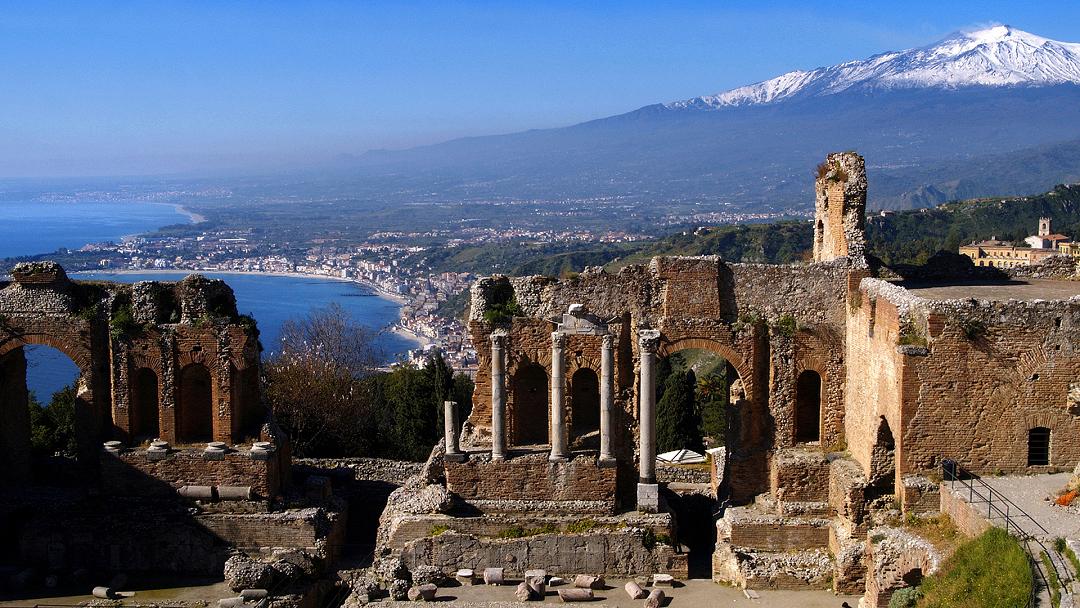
x=1038, y=447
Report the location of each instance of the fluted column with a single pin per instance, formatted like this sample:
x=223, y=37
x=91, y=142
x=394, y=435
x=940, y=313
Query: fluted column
x=498, y=397
x=558, y=405
x=648, y=491
x=607, y=396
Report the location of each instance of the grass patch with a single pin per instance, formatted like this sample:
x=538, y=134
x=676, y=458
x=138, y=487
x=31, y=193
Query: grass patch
x=939, y=530
x=1053, y=580
x=522, y=532
x=438, y=529
x=991, y=570
x=1064, y=549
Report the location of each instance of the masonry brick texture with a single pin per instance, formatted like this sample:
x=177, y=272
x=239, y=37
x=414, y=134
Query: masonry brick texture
x=532, y=478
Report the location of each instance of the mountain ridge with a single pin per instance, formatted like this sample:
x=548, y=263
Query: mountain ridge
x=997, y=56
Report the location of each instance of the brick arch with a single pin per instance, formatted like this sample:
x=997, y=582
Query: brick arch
x=78, y=353
x=669, y=347
x=192, y=357
x=587, y=362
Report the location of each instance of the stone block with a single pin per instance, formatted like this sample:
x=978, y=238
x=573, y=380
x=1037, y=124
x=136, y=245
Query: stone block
x=537, y=584
x=422, y=593
x=648, y=497
x=523, y=593
x=663, y=580
x=466, y=576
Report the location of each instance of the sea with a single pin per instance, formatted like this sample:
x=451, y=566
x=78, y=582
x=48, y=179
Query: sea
x=33, y=228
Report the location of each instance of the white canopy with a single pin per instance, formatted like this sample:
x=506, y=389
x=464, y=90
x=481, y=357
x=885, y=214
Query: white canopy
x=681, y=457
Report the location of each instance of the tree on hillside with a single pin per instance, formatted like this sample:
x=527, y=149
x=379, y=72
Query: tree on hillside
x=52, y=428
x=410, y=396
x=712, y=396
x=678, y=424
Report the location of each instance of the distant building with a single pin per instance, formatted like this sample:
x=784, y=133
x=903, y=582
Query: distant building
x=1005, y=254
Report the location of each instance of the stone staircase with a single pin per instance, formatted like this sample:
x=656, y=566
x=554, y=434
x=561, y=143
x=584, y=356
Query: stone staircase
x=786, y=539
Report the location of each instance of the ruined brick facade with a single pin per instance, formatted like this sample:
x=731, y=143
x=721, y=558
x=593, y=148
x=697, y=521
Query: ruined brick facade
x=170, y=361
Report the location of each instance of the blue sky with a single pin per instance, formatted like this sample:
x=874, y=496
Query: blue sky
x=104, y=88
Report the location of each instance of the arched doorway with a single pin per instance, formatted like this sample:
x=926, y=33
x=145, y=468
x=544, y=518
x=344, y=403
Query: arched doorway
x=531, y=411
x=45, y=422
x=1038, y=453
x=195, y=412
x=143, y=412
x=882, y=462
x=808, y=407
x=585, y=409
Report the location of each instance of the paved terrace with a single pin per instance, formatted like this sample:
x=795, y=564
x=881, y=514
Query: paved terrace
x=1025, y=289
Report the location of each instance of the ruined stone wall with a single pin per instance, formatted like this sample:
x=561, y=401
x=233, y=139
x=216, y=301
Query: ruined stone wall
x=136, y=472
x=532, y=478
x=110, y=331
x=994, y=370
x=611, y=553
x=840, y=208
x=875, y=371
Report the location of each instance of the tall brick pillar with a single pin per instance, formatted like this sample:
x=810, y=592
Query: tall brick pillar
x=840, y=209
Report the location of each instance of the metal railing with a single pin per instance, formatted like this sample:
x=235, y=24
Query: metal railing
x=1000, y=508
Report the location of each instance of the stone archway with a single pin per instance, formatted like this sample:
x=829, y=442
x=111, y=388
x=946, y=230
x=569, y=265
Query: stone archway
x=529, y=391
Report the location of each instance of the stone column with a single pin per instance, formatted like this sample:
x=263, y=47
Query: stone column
x=450, y=426
x=607, y=396
x=558, y=406
x=498, y=397
x=648, y=491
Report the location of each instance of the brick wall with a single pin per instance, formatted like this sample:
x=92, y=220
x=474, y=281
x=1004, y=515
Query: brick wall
x=134, y=473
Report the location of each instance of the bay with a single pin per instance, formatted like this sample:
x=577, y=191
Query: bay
x=31, y=228
x=270, y=299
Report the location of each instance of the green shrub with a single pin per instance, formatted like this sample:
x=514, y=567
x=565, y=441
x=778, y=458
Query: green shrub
x=991, y=570
x=1054, y=581
x=438, y=529
x=908, y=597
x=786, y=326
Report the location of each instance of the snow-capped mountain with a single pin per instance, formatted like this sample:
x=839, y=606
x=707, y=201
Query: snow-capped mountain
x=998, y=56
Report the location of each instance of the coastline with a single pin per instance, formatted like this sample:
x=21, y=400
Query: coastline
x=196, y=218
x=397, y=328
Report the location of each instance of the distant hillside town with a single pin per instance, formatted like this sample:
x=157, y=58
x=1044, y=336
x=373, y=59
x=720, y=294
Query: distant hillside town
x=1035, y=249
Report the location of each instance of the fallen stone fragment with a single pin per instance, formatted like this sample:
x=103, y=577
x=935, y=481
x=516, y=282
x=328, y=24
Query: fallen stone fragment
x=537, y=585
x=656, y=599
x=556, y=581
x=231, y=602
x=634, y=590
x=575, y=594
x=587, y=581
x=104, y=593
x=750, y=594
x=493, y=576
x=253, y=594
x=465, y=576
x=523, y=592
x=422, y=593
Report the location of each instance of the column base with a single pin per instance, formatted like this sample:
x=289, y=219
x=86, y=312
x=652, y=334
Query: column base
x=557, y=458
x=606, y=462
x=455, y=457
x=498, y=457
x=648, y=497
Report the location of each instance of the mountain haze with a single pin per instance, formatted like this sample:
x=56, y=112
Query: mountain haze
x=933, y=122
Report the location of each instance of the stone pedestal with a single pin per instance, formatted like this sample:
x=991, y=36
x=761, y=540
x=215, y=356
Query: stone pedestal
x=648, y=497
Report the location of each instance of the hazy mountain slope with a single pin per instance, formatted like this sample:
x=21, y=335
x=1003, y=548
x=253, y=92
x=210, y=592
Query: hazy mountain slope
x=923, y=119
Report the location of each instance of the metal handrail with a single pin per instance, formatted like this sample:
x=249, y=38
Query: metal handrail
x=953, y=472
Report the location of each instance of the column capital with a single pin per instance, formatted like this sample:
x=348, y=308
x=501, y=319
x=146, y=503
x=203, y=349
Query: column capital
x=558, y=339
x=649, y=340
x=608, y=341
x=498, y=339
